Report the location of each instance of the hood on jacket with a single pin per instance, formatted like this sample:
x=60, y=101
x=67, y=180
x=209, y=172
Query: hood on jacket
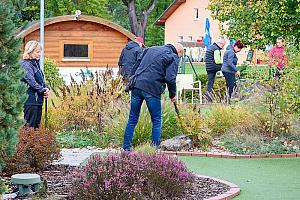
x=131, y=44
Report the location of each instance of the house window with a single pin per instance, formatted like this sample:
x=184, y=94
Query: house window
x=73, y=50
x=190, y=38
x=180, y=38
x=196, y=13
x=80, y=51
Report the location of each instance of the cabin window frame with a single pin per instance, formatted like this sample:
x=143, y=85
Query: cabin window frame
x=75, y=59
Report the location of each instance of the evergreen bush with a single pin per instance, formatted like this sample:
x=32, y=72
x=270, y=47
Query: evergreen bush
x=12, y=90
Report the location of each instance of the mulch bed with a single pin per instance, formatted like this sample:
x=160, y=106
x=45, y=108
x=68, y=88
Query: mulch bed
x=59, y=182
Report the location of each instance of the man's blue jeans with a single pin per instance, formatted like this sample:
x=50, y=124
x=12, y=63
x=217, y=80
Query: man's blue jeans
x=154, y=107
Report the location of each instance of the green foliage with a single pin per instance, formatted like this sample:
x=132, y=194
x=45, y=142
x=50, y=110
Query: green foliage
x=85, y=138
x=12, y=91
x=282, y=98
x=155, y=34
x=28, y=11
x=289, y=100
x=258, y=24
x=145, y=148
x=36, y=150
x=254, y=72
x=193, y=125
x=52, y=75
x=249, y=144
x=222, y=119
x=4, y=188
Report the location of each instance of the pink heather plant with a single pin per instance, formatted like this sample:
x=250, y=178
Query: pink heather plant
x=131, y=175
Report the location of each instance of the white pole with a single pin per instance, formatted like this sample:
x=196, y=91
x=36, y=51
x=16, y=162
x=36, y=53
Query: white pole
x=42, y=34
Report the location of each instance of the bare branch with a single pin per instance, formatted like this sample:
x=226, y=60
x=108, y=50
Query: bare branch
x=151, y=6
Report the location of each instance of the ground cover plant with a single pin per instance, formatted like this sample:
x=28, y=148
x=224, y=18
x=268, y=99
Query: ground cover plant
x=131, y=175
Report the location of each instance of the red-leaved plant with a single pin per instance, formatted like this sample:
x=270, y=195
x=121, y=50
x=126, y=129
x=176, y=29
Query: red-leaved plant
x=35, y=150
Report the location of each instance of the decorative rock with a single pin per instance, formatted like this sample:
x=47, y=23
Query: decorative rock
x=178, y=143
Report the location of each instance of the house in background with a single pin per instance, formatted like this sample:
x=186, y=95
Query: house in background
x=184, y=21
x=80, y=43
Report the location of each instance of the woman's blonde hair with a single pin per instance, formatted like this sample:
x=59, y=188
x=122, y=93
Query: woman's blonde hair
x=30, y=47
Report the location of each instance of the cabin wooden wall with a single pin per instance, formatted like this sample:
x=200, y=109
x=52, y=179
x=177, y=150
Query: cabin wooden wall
x=106, y=43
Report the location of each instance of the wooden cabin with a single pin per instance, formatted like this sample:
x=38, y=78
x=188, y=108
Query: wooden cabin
x=82, y=42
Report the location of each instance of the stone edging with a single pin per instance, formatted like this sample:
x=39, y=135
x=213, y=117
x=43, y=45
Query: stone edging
x=231, y=193
x=220, y=155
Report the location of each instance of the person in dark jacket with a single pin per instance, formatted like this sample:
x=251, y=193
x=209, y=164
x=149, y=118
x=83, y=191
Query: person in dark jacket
x=229, y=68
x=213, y=64
x=35, y=79
x=156, y=67
x=129, y=56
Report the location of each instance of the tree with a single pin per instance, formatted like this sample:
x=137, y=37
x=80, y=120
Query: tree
x=138, y=13
x=28, y=10
x=12, y=90
x=155, y=34
x=258, y=23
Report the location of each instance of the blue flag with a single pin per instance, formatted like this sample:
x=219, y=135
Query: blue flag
x=207, y=37
x=232, y=41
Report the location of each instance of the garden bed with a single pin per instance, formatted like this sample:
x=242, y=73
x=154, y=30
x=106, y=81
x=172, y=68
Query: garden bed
x=59, y=180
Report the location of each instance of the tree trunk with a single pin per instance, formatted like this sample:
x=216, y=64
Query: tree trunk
x=138, y=27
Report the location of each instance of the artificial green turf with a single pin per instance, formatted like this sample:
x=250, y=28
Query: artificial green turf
x=259, y=179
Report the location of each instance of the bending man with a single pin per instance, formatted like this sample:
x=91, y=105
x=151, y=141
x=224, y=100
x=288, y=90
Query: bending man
x=155, y=68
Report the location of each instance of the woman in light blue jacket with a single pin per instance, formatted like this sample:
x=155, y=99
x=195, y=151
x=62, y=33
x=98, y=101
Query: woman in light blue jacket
x=229, y=66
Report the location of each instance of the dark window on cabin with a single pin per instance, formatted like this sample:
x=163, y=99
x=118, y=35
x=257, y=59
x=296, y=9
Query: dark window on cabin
x=196, y=13
x=76, y=51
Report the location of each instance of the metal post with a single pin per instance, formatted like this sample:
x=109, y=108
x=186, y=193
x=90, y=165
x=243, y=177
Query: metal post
x=42, y=34
x=183, y=62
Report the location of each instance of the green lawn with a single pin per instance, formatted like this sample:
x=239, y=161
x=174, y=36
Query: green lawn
x=259, y=179
x=199, y=68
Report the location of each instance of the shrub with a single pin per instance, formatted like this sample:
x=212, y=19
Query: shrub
x=87, y=105
x=222, y=118
x=193, y=125
x=219, y=90
x=36, y=149
x=281, y=125
x=12, y=90
x=145, y=148
x=53, y=78
x=131, y=175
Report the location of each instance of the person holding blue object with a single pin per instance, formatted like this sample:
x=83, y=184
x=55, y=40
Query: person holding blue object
x=156, y=67
x=229, y=68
